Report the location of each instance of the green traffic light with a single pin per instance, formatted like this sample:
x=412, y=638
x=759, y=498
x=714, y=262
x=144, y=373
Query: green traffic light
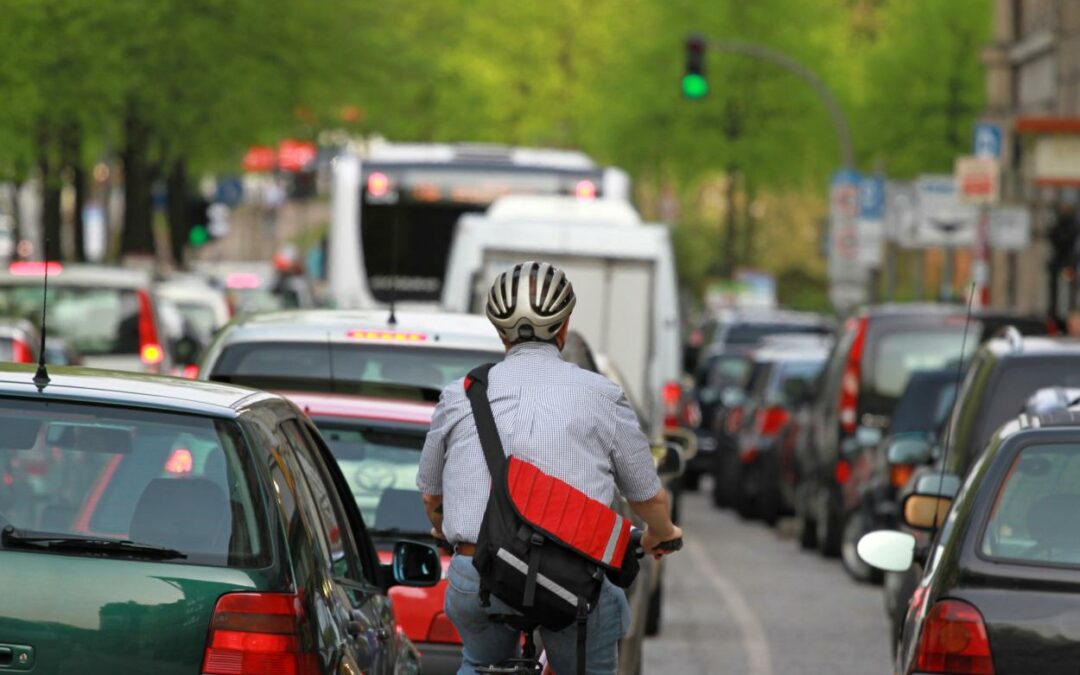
x=694, y=85
x=198, y=235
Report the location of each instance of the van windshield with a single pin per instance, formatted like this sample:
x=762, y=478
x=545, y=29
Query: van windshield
x=174, y=481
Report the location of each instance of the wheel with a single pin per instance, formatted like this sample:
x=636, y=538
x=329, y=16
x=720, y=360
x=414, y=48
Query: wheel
x=855, y=526
x=769, y=499
x=828, y=534
x=745, y=503
x=732, y=480
x=691, y=480
x=807, y=533
x=656, y=602
x=719, y=496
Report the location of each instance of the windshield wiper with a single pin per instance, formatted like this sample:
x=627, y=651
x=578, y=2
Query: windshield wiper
x=10, y=536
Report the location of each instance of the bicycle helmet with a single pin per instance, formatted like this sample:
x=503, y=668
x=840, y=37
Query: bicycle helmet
x=530, y=302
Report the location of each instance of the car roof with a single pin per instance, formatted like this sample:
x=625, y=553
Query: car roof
x=437, y=329
x=776, y=316
x=903, y=308
x=78, y=275
x=134, y=389
x=1032, y=346
x=362, y=407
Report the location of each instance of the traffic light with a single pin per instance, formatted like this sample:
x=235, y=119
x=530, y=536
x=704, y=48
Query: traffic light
x=694, y=84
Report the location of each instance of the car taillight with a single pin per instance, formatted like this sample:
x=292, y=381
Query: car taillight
x=734, y=420
x=849, y=383
x=150, y=350
x=253, y=633
x=190, y=371
x=900, y=473
x=20, y=352
x=842, y=472
x=954, y=640
x=442, y=630
x=769, y=421
x=672, y=394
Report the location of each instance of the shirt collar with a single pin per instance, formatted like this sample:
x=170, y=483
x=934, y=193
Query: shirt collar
x=530, y=348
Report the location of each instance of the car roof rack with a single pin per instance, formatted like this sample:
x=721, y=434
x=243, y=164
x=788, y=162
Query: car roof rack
x=1013, y=336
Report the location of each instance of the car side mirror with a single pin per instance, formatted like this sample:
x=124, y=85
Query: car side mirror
x=868, y=437
x=887, y=550
x=185, y=350
x=909, y=449
x=710, y=395
x=732, y=397
x=925, y=512
x=415, y=564
x=671, y=462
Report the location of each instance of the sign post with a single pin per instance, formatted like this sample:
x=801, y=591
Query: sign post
x=978, y=183
x=847, y=278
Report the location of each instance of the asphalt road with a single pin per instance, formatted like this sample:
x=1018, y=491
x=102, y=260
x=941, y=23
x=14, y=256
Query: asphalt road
x=742, y=598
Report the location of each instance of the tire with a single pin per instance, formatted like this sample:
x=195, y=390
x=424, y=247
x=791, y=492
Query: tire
x=829, y=533
x=855, y=526
x=691, y=480
x=769, y=507
x=745, y=503
x=719, y=497
x=652, y=617
x=807, y=533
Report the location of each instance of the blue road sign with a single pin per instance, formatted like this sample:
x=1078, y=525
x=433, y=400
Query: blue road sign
x=872, y=197
x=987, y=140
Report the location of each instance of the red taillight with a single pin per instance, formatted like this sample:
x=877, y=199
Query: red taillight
x=150, y=350
x=20, y=352
x=849, y=384
x=734, y=420
x=842, y=472
x=23, y=268
x=899, y=474
x=672, y=394
x=254, y=633
x=585, y=189
x=190, y=371
x=769, y=421
x=1052, y=327
x=442, y=630
x=378, y=184
x=954, y=640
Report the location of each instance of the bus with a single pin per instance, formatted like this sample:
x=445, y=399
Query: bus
x=395, y=210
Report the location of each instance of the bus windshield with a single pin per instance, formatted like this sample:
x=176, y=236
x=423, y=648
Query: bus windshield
x=408, y=216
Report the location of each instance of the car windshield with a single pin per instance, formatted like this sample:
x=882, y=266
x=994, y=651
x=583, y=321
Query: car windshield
x=96, y=321
x=1034, y=515
x=344, y=368
x=201, y=317
x=169, y=480
x=380, y=465
x=752, y=333
x=900, y=353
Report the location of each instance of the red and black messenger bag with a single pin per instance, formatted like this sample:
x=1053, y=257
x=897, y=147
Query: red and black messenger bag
x=544, y=547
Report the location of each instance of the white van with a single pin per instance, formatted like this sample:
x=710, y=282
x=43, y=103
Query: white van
x=624, y=278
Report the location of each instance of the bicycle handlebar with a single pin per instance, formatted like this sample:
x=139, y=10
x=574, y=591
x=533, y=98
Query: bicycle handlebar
x=665, y=546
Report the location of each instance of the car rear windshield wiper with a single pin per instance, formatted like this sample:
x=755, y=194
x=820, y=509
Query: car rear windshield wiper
x=10, y=536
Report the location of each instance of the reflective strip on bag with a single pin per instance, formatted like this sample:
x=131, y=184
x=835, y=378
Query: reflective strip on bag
x=546, y=582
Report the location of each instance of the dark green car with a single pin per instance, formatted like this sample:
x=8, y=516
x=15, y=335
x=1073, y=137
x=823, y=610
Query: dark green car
x=153, y=525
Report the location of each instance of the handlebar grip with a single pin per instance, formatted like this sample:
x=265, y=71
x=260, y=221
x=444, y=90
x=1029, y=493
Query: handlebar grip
x=670, y=546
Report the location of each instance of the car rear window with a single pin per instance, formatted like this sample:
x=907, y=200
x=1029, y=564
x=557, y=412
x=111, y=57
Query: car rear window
x=789, y=370
x=95, y=321
x=179, y=481
x=899, y=353
x=925, y=405
x=7, y=350
x=380, y=464
x=727, y=371
x=344, y=368
x=1033, y=519
x=752, y=333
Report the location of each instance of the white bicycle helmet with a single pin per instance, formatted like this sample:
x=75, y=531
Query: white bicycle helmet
x=530, y=301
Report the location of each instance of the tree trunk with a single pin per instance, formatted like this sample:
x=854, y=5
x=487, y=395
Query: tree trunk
x=71, y=153
x=727, y=264
x=138, y=235
x=177, y=184
x=749, y=225
x=50, y=193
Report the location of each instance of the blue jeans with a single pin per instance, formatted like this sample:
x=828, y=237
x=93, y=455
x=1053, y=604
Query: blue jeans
x=487, y=642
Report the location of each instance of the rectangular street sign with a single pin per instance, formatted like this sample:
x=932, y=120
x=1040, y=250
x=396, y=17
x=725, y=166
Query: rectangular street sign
x=847, y=277
x=988, y=140
x=1010, y=228
x=870, y=226
x=977, y=180
x=942, y=219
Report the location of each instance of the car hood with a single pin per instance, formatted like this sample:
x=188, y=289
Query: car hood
x=90, y=615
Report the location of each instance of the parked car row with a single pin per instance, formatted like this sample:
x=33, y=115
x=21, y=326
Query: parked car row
x=914, y=408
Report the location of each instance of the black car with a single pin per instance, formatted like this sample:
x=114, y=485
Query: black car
x=879, y=348
x=1001, y=591
x=752, y=473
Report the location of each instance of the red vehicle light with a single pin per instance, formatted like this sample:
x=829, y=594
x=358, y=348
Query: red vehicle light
x=390, y=335
x=442, y=630
x=899, y=474
x=190, y=371
x=29, y=268
x=842, y=472
x=20, y=352
x=585, y=189
x=179, y=462
x=150, y=350
x=954, y=640
x=243, y=281
x=769, y=421
x=253, y=633
x=671, y=395
x=749, y=455
x=849, y=384
x=378, y=184
x=734, y=420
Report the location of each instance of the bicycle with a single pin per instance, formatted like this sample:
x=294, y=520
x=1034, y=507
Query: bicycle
x=531, y=663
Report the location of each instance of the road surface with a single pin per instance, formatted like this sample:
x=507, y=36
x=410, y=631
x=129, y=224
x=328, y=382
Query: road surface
x=742, y=598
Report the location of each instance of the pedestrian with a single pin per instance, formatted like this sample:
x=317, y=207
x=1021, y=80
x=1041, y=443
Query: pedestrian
x=574, y=425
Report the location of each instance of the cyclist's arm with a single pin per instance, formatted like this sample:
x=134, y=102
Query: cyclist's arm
x=433, y=506
x=656, y=513
x=433, y=457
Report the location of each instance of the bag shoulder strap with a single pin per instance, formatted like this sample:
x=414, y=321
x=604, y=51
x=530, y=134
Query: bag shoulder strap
x=476, y=391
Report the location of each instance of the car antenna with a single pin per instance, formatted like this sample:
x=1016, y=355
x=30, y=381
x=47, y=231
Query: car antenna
x=330, y=359
x=41, y=377
x=950, y=432
x=392, y=320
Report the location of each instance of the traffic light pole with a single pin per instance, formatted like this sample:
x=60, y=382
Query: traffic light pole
x=770, y=55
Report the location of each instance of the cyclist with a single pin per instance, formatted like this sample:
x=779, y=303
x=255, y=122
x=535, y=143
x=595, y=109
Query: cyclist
x=574, y=425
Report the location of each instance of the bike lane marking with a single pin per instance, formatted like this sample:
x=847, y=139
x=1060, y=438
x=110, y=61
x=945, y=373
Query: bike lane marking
x=754, y=640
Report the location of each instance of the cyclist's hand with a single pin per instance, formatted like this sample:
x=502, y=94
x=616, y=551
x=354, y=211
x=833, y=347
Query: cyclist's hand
x=650, y=542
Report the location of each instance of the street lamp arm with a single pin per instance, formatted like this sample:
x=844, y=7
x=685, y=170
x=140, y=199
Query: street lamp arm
x=763, y=53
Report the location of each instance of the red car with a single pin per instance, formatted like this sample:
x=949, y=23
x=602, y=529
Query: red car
x=377, y=444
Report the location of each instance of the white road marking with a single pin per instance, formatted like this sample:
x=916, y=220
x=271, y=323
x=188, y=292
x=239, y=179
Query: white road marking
x=753, y=632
